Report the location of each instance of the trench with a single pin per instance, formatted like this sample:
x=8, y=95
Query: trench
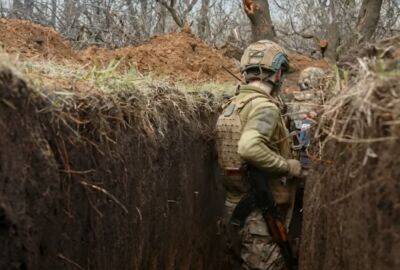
x=100, y=188
x=100, y=182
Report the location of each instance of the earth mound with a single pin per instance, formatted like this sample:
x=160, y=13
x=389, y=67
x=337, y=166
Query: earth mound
x=177, y=55
x=32, y=40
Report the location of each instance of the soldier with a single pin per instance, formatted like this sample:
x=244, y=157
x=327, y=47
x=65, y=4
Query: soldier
x=310, y=78
x=302, y=113
x=252, y=141
x=305, y=104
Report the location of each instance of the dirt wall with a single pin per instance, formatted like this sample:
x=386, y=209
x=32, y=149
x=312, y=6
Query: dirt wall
x=352, y=199
x=86, y=186
x=352, y=217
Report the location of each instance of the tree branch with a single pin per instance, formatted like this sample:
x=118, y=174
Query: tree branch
x=171, y=8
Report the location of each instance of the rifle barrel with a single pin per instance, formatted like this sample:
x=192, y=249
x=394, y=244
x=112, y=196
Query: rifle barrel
x=233, y=75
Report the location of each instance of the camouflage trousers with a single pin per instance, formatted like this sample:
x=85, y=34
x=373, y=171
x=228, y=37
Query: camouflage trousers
x=253, y=243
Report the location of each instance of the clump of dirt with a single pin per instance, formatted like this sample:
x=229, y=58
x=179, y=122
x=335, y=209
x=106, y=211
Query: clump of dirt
x=31, y=40
x=177, y=55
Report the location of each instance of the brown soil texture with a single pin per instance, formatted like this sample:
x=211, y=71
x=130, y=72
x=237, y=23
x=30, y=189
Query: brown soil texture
x=180, y=56
x=177, y=55
x=97, y=187
x=352, y=198
x=32, y=40
x=351, y=212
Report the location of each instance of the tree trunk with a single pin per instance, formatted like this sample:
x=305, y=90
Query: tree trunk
x=144, y=18
x=368, y=18
x=17, y=9
x=260, y=18
x=28, y=8
x=162, y=19
x=333, y=38
x=70, y=11
x=53, y=13
x=203, y=21
x=333, y=35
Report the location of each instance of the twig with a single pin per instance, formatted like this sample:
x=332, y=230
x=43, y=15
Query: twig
x=77, y=172
x=59, y=255
x=140, y=214
x=106, y=193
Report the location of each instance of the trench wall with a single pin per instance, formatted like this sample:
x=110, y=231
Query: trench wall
x=352, y=209
x=93, y=187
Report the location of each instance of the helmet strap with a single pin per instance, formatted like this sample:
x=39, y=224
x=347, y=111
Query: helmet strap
x=276, y=80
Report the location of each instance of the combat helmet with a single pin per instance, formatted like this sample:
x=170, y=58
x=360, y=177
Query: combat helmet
x=262, y=60
x=310, y=78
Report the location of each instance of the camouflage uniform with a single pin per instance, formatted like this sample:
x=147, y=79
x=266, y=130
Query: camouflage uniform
x=265, y=142
x=251, y=129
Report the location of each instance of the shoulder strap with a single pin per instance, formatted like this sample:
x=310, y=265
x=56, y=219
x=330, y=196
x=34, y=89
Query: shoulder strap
x=250, y=98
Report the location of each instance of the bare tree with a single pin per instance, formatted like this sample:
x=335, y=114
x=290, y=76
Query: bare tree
x=260, y=18
x=28, y=8
x=316, y=27
x=180, y=17
x=368, y=18
x=161, y=23
x=53, y=19
x=203, y=23
x=17, y=9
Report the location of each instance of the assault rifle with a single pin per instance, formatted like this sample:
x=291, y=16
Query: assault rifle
x=261, y=198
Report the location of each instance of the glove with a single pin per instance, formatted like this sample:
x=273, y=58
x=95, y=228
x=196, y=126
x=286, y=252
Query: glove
x=294, y=167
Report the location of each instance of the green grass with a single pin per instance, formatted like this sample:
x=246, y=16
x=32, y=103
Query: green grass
x=108, y=79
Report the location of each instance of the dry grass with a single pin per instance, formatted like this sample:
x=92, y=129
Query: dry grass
x=364, y=109
x=95, y=103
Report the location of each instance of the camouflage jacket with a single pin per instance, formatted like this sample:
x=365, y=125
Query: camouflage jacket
x=264, y=141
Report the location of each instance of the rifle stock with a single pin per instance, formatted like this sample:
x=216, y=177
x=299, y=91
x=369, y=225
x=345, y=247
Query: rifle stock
x=271, y=215
x=261, y=198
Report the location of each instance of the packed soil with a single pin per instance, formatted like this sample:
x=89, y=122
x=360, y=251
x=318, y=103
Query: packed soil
x=99, y=181
x=351, y=217
x=179, y=56
x=352, y=197
x=32, y=40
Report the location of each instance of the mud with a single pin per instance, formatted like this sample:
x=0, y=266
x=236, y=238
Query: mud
x=77, y=198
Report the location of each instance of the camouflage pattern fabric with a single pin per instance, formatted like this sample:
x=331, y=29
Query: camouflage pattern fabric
x=264, y=54
x=257, y=250
x=303, y=103
x=310, y=78
x=264, y=139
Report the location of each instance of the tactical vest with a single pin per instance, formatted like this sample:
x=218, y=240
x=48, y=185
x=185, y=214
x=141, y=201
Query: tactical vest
x=229, y=130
